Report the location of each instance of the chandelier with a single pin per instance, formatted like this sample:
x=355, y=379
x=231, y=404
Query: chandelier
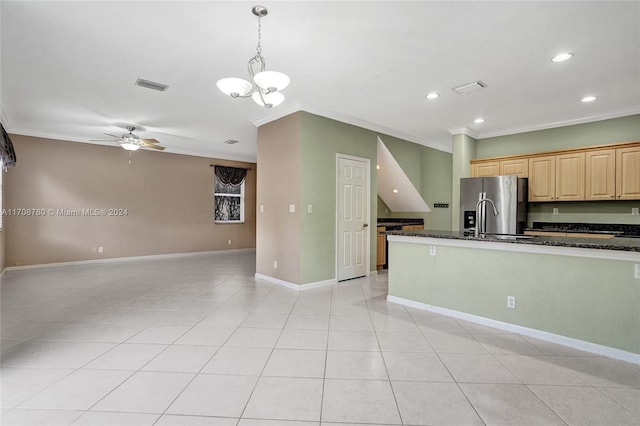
x=265, y=86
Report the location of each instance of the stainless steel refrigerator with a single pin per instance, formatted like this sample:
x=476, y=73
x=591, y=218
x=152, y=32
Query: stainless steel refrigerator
x=497, y=205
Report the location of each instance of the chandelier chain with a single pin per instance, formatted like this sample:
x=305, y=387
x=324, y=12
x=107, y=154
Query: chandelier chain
x=259, y=47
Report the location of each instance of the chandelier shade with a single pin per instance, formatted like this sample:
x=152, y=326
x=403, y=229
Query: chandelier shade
x=234, y=86
x=271, y=81
x=274, y=99
x=264, y=86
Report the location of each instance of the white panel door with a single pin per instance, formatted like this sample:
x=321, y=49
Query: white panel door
x=353, y=218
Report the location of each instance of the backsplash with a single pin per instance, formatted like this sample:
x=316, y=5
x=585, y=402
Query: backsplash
x=614, y=212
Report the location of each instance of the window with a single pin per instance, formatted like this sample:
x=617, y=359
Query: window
x=229, y=195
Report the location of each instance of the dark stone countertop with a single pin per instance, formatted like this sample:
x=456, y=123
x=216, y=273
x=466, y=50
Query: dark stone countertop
x=616, y=243
x=591, y=228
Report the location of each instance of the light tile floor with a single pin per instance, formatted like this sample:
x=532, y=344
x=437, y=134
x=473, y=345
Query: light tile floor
x=198, y=341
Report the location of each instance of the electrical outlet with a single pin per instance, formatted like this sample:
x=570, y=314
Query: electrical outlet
x=275, y=264
x=636, y=274
x=229, y=242
x=634, y=211
x=511, y=302
x=555, y=211
x=100, y=249
x=292, y=208
x=432, y=250
x=309, y=208
x=261, y=208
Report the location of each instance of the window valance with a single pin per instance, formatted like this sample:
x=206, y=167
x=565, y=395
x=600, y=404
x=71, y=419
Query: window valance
x=230, y=175
x=7, y=153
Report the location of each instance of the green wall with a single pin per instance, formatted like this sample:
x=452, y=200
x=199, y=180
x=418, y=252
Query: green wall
x=594, y=300
x=464, y=150
x=321, y=140
x=624, y=129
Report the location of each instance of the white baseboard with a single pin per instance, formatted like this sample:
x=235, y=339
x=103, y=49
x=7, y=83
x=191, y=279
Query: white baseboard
x=299, y=287
x=125, y=259
x=525, y=331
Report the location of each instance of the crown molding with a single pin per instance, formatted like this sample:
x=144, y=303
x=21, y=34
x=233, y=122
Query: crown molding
x=464, y=131
x=441, y=145
x=552, y=125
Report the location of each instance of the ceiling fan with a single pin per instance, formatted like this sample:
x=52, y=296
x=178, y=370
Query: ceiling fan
x=132, y=142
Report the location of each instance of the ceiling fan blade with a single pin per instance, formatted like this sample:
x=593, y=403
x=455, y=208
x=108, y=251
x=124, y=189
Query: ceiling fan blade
x=158, y=147
x=101, y=140
x=113, y=136
x=147, y=141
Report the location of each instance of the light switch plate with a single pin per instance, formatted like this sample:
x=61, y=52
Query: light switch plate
x=261, y=208
x=292, y=208
x=309, y=208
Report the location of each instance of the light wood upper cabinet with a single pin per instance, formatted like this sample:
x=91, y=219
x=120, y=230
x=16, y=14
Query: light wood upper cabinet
x=570, y=177
x=542, y=178
x=517, y=166
x=605, y=172
x=491, y=168
x=600, y=172
x=628, y=173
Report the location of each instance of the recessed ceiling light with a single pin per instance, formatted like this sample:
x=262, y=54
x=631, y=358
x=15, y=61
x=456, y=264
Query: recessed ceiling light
x=588, y=99
x=479, y=120
x=433, y=95
x=395, y=191
x=561, y=57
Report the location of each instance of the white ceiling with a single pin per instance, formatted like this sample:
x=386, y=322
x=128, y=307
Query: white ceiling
x=68, y=68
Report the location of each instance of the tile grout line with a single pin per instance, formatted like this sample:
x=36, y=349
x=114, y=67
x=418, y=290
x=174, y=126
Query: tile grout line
x=384, y=362
x=270, y=353
x=448, y=370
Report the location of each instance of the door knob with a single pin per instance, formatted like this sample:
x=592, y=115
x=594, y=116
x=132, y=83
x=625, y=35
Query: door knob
x=365, y=225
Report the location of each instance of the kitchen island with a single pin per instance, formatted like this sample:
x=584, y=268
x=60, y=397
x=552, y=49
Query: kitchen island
x=581, y=292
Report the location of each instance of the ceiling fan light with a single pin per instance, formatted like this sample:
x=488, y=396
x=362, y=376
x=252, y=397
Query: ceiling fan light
x=234, y=87
x=273, y=98
x=130, y=146
x=268, y=80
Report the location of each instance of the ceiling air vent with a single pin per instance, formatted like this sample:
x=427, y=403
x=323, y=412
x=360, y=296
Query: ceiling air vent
x=231, y=141
x=469, y=87
x=151, y=85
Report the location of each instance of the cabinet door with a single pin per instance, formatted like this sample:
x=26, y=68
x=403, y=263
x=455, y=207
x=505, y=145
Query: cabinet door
x=600, y=171
x=542, y=178
x=519, y=167
x=570, y=176
x=490, y=168
x=380, y=251
x=628, y=173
